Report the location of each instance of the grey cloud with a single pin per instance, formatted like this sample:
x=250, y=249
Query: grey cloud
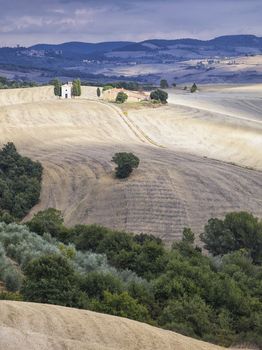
x=31, y=21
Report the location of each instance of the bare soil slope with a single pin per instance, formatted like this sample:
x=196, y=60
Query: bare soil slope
x=31, y=326
x=175, y=185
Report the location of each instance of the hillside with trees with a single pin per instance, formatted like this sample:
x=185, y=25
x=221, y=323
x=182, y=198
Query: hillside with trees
x=20, y=183
x=213, y=298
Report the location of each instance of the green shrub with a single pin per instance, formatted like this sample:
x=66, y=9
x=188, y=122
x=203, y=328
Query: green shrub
x=122, y=305
x=13, y=280
x=193, y=88
x=47, y=221
x=236, y=231
x=13, y=84
x=95, y=284
x=50, y=279
x=121, y=97
x=159, y=95
x=124, y=171
x=6, y=217
x=88, y=237
x=20, y=183
x=11, y=296
x=213, y=298
x=191, y=316
x=107, y=87
x=126, y=162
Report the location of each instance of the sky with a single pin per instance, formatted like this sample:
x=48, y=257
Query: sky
x=27, y=22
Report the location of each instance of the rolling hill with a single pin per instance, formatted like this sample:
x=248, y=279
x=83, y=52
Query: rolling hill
x=226, y=59
x=82, y=48
x=186, y=150
x=225, y=43
x=31, y=326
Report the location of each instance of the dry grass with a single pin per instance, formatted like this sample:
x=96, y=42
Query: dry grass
x=175, y=185
x=31, y=326
x=128, y=106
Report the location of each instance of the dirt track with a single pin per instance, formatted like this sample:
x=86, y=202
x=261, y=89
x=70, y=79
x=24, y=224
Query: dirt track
x=175, y=186
x=31, y=326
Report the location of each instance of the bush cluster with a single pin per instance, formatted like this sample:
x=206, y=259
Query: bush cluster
x=121, y=97
x=14, y=84
x=128, y=85
x=159, y=95
x=126, y=162
x=214, y=298
x=20, y=183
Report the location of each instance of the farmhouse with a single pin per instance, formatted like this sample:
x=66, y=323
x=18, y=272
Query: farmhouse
x=133, y=96
x=66, y=90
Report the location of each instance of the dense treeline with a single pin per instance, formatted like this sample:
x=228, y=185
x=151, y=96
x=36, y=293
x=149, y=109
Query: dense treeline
x=215, y=298
x=14, y=84
x=20, y=183
x=131, y=85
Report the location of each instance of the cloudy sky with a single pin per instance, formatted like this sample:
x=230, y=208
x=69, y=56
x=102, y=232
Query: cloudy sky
x=54, y=21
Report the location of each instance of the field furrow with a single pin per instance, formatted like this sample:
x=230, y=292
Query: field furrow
x=183, y=183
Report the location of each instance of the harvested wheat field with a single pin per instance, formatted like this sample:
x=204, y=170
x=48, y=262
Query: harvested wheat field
x=185, y=176
x=32, y=326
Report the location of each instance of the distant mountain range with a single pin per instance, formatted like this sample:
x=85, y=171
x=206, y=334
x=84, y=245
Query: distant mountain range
x=226, y=59
x=231, y=43
x=83, y=48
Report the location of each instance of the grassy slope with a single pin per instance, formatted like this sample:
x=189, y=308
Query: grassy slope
x=47, y=327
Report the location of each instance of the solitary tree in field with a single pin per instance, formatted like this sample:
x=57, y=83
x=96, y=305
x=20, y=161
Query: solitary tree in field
x=159, y=95
x=164, y=84
x=194, y=88
x=98, y=92
x=121, y=97
x=126, y=162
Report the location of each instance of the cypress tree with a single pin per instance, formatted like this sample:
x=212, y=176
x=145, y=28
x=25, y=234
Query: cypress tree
x=76, y=89
x=57, y=87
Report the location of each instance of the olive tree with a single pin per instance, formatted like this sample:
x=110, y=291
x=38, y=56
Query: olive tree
x=126, y=162
x=121, y=97
x=159, y=95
